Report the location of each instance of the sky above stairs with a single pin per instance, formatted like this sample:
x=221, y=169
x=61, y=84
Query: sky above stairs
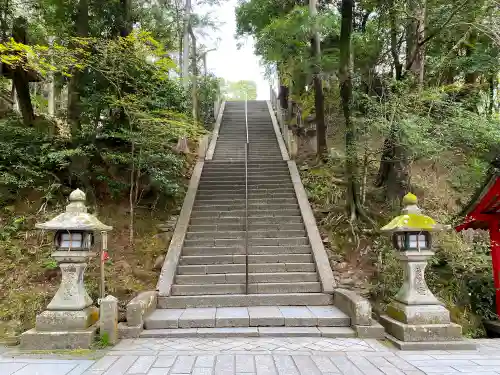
x=228, y=61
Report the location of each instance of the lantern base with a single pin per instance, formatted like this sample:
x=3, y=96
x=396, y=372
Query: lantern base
x=418, y=314
x=421, y=332
x=431, y=345
x=67, y=320
x=54, y=340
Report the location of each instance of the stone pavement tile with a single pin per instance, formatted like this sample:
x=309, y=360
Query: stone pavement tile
x=46, y=369
x=245, y=363
x=203, y=371
x=415, y=357
x=346, y=366
x=391, y=371
x=400, y=363
x=486, y=362
x=473, y=355
x=165, y=361
x=80, y=368
x=224, y=364
x=324, y=364
x=306, y=365
x=159, y=371
x=476, y=368
x=121, y=365
x=438, y=370
x=183, y=364
x=104, y=363
x=365, y=366
x=205, y=361
x=443, y=362
x=142, y=365
x=285, y=365
x=265, y=365
x=10, y=368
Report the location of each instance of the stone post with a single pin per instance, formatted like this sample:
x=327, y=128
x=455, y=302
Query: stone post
x=108, y=320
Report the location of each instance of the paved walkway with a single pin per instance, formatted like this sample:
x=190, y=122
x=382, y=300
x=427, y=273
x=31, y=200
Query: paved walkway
x=261, y=356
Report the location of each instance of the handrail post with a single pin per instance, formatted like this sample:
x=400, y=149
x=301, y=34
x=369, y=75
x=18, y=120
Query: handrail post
x=246, y=196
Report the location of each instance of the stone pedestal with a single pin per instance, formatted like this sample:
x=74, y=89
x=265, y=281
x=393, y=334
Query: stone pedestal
x=69, y=321
x=416, y=319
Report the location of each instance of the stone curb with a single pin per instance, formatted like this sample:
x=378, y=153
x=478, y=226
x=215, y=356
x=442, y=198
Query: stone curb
x=174, y=250
x=319, y=252
x=279, y=137
x=215, y=134
x=141, y=306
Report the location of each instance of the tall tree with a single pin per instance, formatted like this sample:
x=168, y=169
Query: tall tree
x=319, y=99
x=345, y=78
x=75, y=86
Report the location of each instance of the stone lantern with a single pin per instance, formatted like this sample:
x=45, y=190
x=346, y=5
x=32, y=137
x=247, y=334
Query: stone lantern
x=415, y=318
x=69, y=320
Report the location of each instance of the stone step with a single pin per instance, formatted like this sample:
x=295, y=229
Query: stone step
x=284, y=236
x=256, y=278
x=251, y=206
x=240, y=300
x=240, y=259
x=278, y=241
x=281, y=258
x=330, y=332
x=273, y=180
x=278, y=219
x=285, y=287
x=217, y=214
x=281, y=212
x=216, y=278
x=252, y=212
x=259, y=316
x=210, y=269
x=203, y=250
x=206, y=289
x=256, y=220
x=282, y=267
x=218, y=174
x=256, y=288
x=240, y=226
x=211, y=242
x=274, y=250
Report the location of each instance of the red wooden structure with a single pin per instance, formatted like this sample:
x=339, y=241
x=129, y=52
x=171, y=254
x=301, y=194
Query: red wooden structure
x=483, y=212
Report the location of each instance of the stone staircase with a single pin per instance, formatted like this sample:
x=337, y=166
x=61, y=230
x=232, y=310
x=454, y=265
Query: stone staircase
x=210, y=291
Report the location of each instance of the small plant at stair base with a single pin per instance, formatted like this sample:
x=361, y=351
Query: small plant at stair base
x=103, y=341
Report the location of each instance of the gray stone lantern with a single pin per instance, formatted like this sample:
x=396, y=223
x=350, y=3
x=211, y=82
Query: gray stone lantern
x=415, y=318
x=69, y=320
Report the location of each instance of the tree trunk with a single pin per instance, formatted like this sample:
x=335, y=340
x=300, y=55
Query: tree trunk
x=398, y=67
x=127, y=24
x=394, y=172
x=20, y=76
x=415, y=50
x=351, y=165
x=194, y=83
x=75, y=83
x=319, y=99
x=185, y=44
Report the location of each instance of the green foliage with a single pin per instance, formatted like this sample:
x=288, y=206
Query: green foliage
x=208, y=93
x=239, y=90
